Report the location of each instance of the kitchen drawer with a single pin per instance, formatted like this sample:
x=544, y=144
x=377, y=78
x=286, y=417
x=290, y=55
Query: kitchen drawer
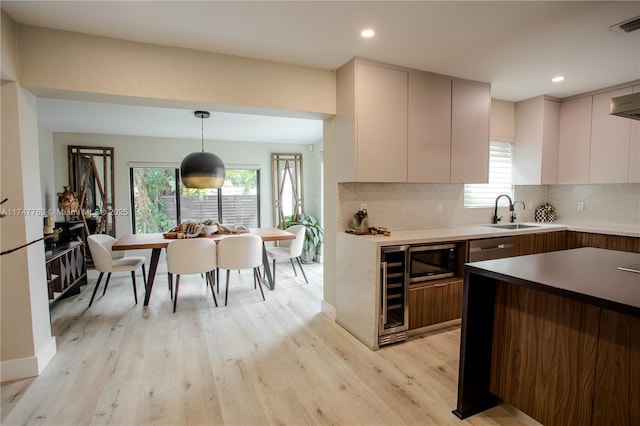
x=436, y=303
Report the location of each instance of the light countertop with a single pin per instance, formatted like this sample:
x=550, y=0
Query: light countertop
x=472, y=232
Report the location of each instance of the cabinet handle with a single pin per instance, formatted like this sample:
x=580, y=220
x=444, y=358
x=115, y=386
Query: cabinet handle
x=383, y=265
x=441, y=285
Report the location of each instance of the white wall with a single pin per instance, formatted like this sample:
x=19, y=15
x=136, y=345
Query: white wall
x=23, y=285
x=9, y=56
x=47, y=183
x=165, y=150
x=313, y=160
x=73, y=65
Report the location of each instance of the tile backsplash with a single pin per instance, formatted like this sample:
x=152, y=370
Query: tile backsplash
x=401, y=206
x=610, y=203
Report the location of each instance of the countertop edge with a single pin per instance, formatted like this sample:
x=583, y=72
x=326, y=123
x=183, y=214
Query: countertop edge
x=576, y=274
x=570, y=294
x=472, y=232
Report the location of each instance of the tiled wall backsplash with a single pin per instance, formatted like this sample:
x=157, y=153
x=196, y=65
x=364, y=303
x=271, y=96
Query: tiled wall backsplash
x=401, y=206
x=612, y=203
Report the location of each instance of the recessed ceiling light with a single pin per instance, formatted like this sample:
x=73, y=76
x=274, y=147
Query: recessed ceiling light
x=367, y=33
x=557, y=79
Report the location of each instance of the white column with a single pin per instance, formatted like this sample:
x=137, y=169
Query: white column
x=26, y=342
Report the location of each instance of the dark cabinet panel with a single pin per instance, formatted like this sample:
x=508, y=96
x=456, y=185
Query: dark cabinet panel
x=617, y=384
x=544, y=354
x=539, y=243
x=66, y=269
x=612, y=242
x=435, y=303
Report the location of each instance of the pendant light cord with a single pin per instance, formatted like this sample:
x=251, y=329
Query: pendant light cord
x=202, y=128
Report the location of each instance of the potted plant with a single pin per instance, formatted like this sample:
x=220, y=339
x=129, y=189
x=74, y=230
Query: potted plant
x=313, y=235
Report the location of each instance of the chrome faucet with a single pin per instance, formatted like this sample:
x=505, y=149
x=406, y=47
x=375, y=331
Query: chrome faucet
x=497, y=219
x=513, y=212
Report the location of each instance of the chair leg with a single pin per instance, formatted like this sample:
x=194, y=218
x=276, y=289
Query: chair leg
x=256, y=274
x=293, y=266
x=135, y=291
x=144, y=277
x=95, y=290
x=303, y=274
x=226, y=292
x=175, y=296
x=211, y=277
x=106, y=283
x=218, y=279
x=170, y=284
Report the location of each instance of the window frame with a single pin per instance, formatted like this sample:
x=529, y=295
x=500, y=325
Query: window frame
x=178, y=192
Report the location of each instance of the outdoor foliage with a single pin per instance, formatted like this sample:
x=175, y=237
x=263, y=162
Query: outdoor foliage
x=150, y=184
x=241, y=178
x=314, y=231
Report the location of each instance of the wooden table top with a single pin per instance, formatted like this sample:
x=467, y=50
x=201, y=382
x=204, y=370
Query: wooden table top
x=154, y=241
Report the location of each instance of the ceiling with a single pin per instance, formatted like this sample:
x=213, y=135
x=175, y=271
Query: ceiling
x=516, y=46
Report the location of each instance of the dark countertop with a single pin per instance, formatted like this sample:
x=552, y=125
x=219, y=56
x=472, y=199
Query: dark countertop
x=586, y=274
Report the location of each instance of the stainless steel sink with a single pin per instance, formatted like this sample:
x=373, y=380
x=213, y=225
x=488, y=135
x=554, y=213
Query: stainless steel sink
x=513, y=226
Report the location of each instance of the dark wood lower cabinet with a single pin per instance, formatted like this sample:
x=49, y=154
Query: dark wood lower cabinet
x=617, y=385
x=565, y=362
x=435, y=303
x=611, y=242
x=539, y=243
x=544, y=354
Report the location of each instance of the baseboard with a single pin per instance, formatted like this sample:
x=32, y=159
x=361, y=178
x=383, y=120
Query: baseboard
x=22, y=368
x=434, y=327
x=328, y=309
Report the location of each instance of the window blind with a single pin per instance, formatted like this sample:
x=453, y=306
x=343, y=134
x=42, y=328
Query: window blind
x=500, y=178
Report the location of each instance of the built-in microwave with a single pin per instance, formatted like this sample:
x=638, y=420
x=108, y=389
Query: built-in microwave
x=431, y=262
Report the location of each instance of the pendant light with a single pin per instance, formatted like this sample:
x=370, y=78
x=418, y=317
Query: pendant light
x=202, y=169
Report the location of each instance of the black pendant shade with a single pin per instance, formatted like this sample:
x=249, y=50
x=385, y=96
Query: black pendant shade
x=202, y=169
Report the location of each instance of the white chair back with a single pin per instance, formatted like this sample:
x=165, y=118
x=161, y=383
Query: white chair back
x=240, y=252
x=191, y=256
x=101, y=253
x=106, y=260
x=295, y=246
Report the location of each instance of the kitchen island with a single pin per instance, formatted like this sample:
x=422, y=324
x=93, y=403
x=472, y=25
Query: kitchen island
x=557, y=335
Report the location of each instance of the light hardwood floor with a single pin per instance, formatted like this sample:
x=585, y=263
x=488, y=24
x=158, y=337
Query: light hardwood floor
x=279, y=362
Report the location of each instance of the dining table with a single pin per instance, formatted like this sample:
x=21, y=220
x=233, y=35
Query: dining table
x=156, y=242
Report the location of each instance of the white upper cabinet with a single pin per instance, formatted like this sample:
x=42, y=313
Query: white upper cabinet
x=503, y=121
x=574, y=140
x=634, y=148
x=371, y=123
x=429, y=142
x=470, y=115
x=399, y=125
x=610, y=141
x=536, y=147
x=594, y=146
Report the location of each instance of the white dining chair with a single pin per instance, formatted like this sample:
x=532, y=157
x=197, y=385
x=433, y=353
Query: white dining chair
x=241, y=252
x=107, y=260
x=192, y=256
x=289, y=249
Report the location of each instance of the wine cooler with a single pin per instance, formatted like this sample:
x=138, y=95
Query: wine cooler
x=394, y=294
